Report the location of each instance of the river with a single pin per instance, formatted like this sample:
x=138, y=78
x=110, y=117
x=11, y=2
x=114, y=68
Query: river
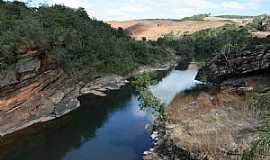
x=103, y=128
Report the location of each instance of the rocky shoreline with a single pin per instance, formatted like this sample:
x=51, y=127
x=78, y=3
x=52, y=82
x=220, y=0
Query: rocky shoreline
x=208, y=124
x=36, y=91
x=214, y=122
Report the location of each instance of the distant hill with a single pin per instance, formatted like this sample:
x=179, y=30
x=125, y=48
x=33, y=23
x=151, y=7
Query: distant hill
x=155, y=28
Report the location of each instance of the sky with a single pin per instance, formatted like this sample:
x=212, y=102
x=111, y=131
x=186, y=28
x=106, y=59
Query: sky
x=150, y=9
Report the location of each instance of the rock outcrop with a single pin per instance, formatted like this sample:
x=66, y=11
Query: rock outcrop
x=34, y=90
x=224, y=67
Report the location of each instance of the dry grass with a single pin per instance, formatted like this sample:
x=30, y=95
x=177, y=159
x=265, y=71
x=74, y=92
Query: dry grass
x=261, y=34
x=203, y=102
x=212, y=124
x=153, y=29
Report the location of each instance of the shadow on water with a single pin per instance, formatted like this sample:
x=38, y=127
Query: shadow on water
x=53, y=140
x=103, y=128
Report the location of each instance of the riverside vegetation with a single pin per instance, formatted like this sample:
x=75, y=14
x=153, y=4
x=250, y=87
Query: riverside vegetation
x=226, y=41
x=84, y=45
x=147, y=100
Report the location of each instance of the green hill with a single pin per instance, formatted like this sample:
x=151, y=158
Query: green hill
x=72, y=37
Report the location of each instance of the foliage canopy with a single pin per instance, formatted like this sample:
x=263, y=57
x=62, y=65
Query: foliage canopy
x=77, y=41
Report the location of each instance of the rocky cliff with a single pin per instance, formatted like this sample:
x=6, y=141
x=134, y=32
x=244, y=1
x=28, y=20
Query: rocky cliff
x=251, y=60
x=34, y=90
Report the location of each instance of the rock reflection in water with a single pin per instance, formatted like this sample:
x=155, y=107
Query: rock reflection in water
x=103, y=128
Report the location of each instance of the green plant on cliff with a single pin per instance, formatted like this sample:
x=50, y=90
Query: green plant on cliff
x=78, y=42
x=143, y=81
x=147, y=99
x=260, y=104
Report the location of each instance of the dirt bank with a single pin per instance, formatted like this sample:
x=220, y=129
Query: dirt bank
x=213, y=123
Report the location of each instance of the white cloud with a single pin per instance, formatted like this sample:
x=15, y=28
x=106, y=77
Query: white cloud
x=233, y=5
x=71, y=3
x=126, y=10
x=135, y=9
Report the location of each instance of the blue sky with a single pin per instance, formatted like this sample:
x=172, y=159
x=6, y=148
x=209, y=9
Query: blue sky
x=139, y=9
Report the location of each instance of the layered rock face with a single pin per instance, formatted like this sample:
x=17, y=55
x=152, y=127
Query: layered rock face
x=29, y=89
x=35, y=90
x=225, y=67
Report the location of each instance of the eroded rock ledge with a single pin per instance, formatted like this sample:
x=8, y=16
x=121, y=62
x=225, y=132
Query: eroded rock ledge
x=223, y=67
x=35, y=90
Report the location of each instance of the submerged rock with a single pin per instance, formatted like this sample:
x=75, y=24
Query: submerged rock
x=149, y=128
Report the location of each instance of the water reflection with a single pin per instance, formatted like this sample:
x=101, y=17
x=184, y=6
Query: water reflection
x=175, y=82
x=103, y=128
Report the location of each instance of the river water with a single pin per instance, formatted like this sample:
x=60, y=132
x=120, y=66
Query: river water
x=103, y=128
